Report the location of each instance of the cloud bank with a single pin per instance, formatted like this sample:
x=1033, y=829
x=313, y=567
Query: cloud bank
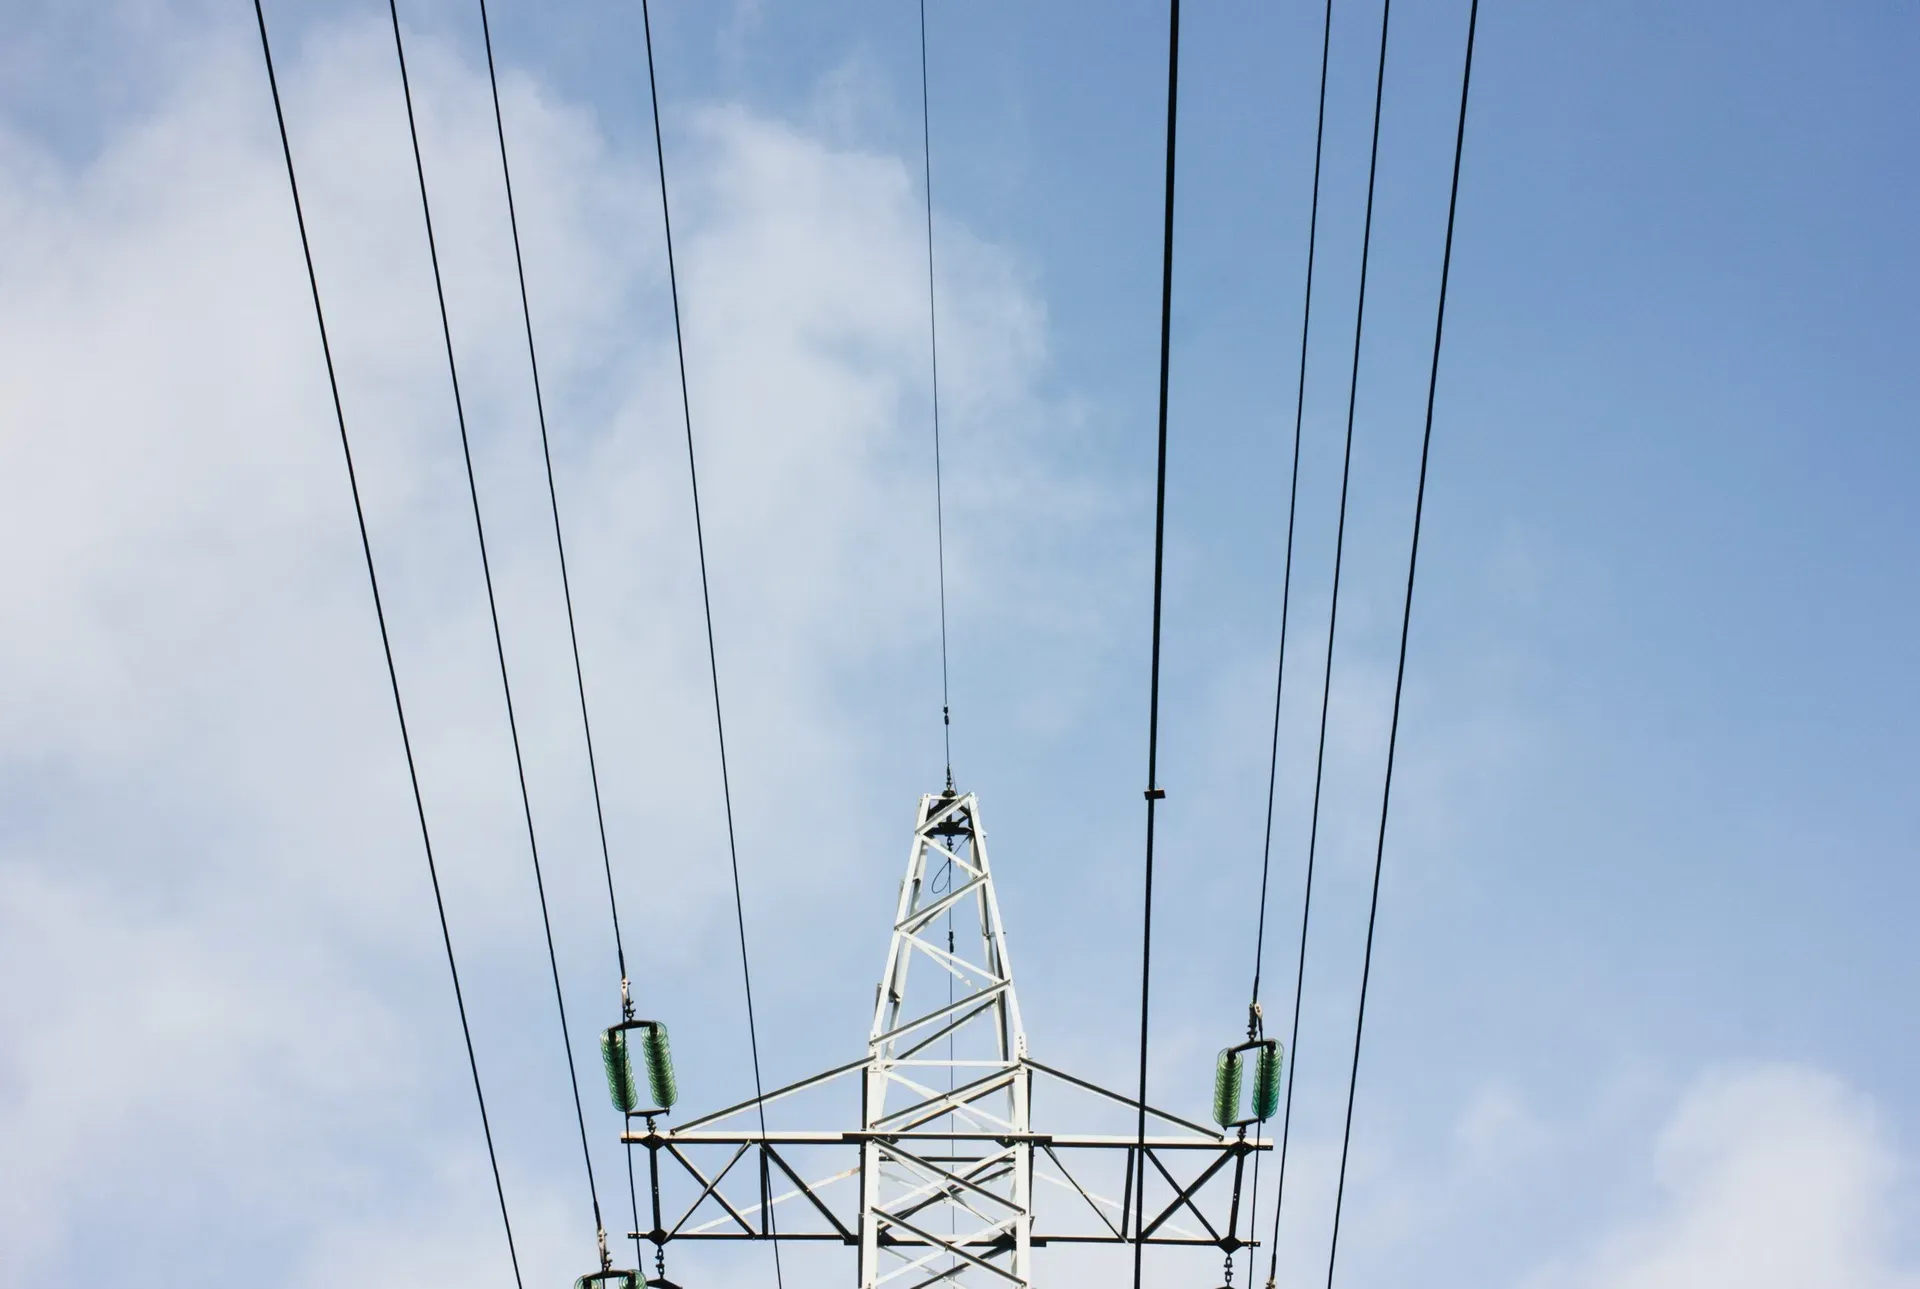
x=237, y=1058
x=234, y=1058
x=1772, y=1177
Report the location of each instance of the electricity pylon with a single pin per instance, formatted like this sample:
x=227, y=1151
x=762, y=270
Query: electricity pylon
x=981, y=1186
x=933, y=1179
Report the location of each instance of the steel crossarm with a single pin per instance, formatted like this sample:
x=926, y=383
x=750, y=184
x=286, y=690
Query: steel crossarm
x=766, y=1100
x=956, y=1248
x=710, y=1188
x=960, y=1100
x=990, y=994
x=966, y=1157
x=947, y=854
x=1127, y=1101
x=927, y=913
x=940, y=1250
x=959, y=1022
x=856, y=1135
x=937, y=1277
x=933, y=1193
x=803, y=1189
x=807, y=1189
x=954, y=963
x=936, y=1188
x=1093, y=1201
x=1184, y=1196
x=906, y=1156
x=1178, y=1234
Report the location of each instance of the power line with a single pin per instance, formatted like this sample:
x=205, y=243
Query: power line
x=386, y=644
x=493, y=613
x=1154, y=793
x=1406, y=622
x=1293, y=495
x=933, y=352
x=553, y=499
x=939, y=502
x=1280, y=675
x=706, y=595
x=1333, y=607
x=559, y=542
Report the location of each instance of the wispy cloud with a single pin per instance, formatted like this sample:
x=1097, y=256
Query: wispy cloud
x=238, y=1049
x=1773, y=1177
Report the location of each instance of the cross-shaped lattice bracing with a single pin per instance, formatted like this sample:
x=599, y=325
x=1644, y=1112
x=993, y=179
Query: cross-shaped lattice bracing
x=926, y=1161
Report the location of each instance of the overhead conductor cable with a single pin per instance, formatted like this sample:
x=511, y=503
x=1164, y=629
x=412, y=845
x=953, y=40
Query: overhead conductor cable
x=1254, y=1022
x=386, y=643
x=1333, y=607
x=939, y=519
x=933, y=353
x=493, y=613
x=1154, y=793
x=706, y=600
x=560, y=547
x=1406, y=621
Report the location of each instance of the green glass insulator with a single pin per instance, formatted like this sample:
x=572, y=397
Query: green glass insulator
x=659, y=1058
x=1266, y=1081
x=609, y=1280
x=1226, y=1088
x=619, y=1063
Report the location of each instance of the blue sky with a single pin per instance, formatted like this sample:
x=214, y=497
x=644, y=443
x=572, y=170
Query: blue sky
x=1640, y=1006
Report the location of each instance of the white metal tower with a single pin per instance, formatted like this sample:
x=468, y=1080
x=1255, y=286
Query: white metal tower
x=932, y=1178
x=947, y=1050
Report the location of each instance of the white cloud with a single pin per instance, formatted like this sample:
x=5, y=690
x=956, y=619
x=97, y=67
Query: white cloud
x=236, y=1060
x=1769, y=1178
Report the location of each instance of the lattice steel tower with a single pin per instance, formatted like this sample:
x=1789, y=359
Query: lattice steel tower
x=934, y=1181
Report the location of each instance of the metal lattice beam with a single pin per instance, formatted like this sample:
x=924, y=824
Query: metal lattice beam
x=933, y=1180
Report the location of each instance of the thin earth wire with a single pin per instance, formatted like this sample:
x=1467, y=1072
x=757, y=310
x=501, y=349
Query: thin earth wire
x=1279, y=680
x=933, y=353
x=1406, y=621
x=493, y=613
x=1153, y=792
x=706, y=601
x=939, y=508
x=386, y=643
x=559, y=542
